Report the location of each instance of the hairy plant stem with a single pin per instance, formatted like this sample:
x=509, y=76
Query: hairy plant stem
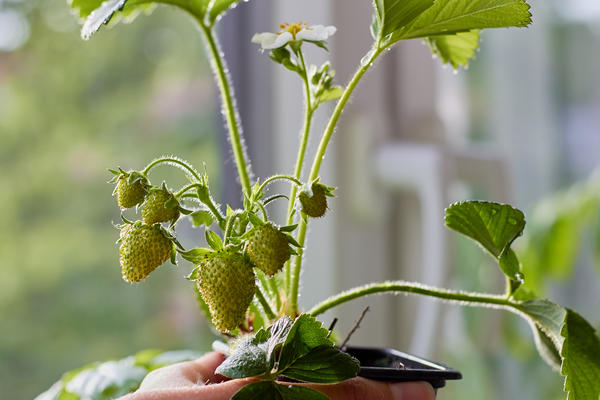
x=316, y=166
x=466, y=298
x=265, y=304
x=172, y=160
x=308, y=115
x=231, y=116
x=278, y=177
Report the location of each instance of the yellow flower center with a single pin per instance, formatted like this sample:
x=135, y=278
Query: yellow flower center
x=293, y=28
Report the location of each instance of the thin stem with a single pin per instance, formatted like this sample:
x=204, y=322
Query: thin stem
x=316, y=166
x=275, y=290
x=308, y=115
x=229, y=227
x=265, y=304
x=181, y=192
x=466, y=298
x=271, y=287
x=276, y=177
x=297, y=266
x=231, y=116
x=339, y=107
x=171, y=160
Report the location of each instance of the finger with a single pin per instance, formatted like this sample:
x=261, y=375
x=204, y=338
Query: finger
x=361, y=389
x=217, y=391
x=191, y=373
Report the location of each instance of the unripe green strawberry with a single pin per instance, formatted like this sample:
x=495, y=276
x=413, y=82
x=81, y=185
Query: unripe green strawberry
x=130, y=194
x=143, y=249
x=268, y=248
x=157, y=210
x=227, y=284
x=315, y=205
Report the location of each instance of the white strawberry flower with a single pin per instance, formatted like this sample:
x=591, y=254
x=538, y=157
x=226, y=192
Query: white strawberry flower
x=298, y=31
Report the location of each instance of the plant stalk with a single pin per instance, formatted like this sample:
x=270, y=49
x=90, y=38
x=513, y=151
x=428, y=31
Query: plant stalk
x=395, y=287
x=308, y=115
x=175, y=162
x=231, y=116
x=316, y=166
x=265, y=304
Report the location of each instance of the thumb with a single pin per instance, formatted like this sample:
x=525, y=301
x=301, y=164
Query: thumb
x=366, y=389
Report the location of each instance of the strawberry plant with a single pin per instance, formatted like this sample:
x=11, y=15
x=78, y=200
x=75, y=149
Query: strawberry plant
x=248, y=278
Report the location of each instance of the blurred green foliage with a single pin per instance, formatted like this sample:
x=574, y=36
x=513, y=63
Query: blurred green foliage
x=68, y=111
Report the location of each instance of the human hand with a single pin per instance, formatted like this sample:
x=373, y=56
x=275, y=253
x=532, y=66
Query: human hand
x=197, y=380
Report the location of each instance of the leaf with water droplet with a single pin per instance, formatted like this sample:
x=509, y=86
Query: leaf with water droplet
x=494, y=226
x=98, y=13
x=510, y=265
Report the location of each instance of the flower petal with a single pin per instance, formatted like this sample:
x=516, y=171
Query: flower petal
x=316, y=33
x=269, y=40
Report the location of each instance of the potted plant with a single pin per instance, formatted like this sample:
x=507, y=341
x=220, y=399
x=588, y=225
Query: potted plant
x=248, y=278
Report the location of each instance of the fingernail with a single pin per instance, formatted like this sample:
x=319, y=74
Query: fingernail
x=412, y=391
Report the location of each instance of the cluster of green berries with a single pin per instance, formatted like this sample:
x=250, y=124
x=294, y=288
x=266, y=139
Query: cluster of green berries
x=225, y=276
x=144, y=245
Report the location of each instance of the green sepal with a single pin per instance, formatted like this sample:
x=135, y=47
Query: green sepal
x=255, y=220
x=173, y=258
x=203, y=193
x=202, y=217
x=282, y=56
x=295, y=45
x=197, y=255
x=288, y=228
x=194, y=274
x=292, y=241
x=213, y=240
x=318, y=43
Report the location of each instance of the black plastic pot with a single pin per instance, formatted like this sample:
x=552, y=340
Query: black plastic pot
x=395, y=366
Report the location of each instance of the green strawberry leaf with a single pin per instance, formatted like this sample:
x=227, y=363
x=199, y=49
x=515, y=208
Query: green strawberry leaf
x=278, y=334
x=510, y=265
x=269, y=390
x=571, y=337
x=451, y=16
x=449, y=26
x=218, y=7
x=456, y=49
x=323, y=364
x=581, y=358
x=548, y=316
x=395, y=14
x=305, y=334
x=494, y=226
x=213, y=240
x=202, y=217
x=247, y=359
x=104, y=12
x=99, y=12
x=255, y=220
